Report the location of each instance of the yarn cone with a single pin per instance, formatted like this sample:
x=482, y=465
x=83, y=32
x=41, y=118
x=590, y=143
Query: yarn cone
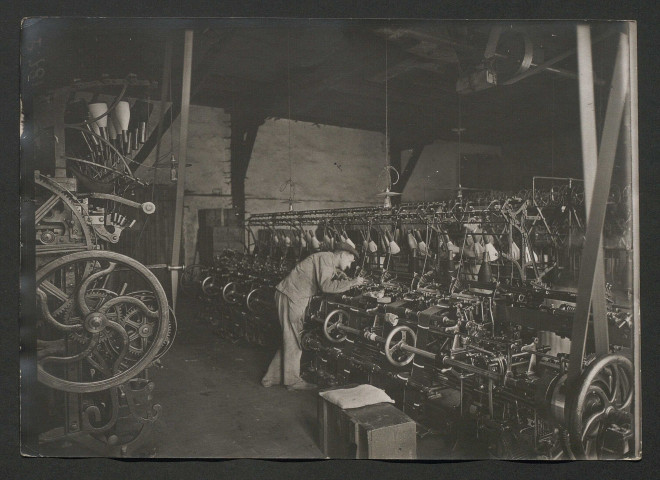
x=485, y=274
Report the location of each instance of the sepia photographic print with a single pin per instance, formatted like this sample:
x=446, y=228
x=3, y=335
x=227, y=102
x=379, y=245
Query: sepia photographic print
x=311, y=239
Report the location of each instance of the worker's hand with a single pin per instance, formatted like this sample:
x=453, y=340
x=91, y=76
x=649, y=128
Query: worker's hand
x=339, y=275
x=360, y=281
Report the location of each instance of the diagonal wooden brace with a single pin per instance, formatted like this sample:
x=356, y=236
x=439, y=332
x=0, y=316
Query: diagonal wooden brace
x=592, y=251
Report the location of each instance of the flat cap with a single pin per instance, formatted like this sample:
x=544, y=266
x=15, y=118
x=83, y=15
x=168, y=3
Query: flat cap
x=345, y=247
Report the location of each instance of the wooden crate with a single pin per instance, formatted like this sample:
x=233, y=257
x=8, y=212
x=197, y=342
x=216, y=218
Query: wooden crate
x=379, y=431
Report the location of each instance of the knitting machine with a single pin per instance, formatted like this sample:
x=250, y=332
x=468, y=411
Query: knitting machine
x=460, y=321
x=103, y=318
x=455, y=365
x=236, y=295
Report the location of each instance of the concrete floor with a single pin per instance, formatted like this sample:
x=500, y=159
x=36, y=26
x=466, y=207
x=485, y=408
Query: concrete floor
x=214, y=406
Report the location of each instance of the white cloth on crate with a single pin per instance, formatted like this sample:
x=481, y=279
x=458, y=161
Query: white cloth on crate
x=356, y=397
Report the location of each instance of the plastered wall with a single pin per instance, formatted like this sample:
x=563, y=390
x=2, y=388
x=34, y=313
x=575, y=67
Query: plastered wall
x=207, y=176
x=331, y=167
x=437, y=169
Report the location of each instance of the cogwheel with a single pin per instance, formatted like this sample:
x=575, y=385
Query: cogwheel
x=139, y=328
x=171, y=335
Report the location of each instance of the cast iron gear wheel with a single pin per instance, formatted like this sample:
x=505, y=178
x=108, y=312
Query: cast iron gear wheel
x=77, y=277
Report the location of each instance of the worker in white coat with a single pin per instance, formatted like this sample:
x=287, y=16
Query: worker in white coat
x=319, y=272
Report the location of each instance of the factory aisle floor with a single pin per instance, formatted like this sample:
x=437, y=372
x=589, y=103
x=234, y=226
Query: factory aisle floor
x=214, y=406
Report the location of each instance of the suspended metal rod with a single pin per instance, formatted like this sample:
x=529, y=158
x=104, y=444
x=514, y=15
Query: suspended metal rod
x=183, y=144
x=165, y=87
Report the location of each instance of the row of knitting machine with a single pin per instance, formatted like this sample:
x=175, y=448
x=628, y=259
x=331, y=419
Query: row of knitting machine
x=102, y=318
x=458, y=322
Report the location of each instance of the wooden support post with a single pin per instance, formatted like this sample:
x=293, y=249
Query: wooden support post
x=597, y=210
x=590, y=162
x=183, y=144
x=243, y=135
x=409, y=168
x=630, y=118
x=59, y=101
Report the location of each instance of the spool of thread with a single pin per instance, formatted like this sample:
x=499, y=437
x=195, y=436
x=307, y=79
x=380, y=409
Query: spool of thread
x=135, y=139
x=493, y=254
x=412, y=242
x=315, y=241
x=99, y=110
x=393, y=247
x=421, y=245
x=141, y=112
x=122, y=118
x=485, y=274
x=122, y=115
x=383, y=243
x=142, y=132
x=327, y=241
x=112, y=132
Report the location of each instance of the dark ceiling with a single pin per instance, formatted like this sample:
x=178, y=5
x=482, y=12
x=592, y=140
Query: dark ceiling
x=338, y=72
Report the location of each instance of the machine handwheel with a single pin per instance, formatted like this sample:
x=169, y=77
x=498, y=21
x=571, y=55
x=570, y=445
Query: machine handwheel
x=396, y=355
x=229, y=293
x=94, y=330
x=333, y=320
x=601, y=403
x=210, y=287
x=255, y=301
x=192, y=277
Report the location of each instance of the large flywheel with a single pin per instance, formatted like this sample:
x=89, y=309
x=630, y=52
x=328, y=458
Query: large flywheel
x=600, y=415
x=102, y=319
